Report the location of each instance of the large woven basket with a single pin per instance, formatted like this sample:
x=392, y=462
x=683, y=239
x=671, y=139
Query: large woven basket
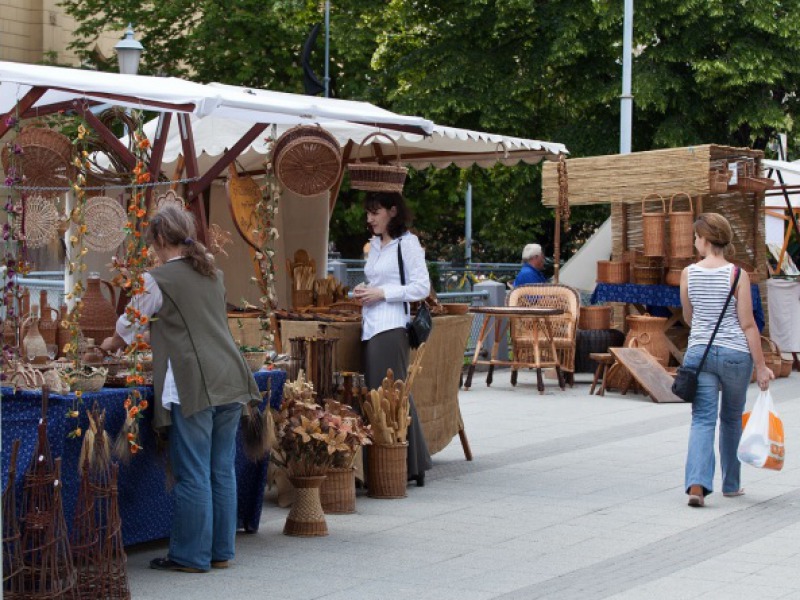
x=374, y=177
x=338, y=492
x=786, y=367
x=46, y=158
x=307, y=160
x=653, y=238
x=594, y=317
x=88, y=382
x=681, y=228
x=387, y=471
x=610, y=271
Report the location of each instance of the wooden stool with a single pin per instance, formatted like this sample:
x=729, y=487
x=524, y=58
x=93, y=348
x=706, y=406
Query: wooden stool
x=603, y=360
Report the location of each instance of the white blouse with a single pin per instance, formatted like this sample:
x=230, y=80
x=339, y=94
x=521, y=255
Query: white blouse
x=382, y=271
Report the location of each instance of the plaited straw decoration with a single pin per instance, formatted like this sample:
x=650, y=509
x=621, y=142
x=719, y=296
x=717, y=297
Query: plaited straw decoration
x=374, y=177
x=40, y=220
x=653, y=241
x=105, y=224
x=681, y=228
x=46, y=158
x=307, y=160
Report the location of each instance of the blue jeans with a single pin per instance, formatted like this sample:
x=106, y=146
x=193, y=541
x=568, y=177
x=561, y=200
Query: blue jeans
x=202, y=452
x=728, y=371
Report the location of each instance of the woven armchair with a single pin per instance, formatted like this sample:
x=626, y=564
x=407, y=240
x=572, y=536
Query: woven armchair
x=564, y=327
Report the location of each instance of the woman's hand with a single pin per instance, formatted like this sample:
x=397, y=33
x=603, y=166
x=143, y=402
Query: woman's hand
x=368, y=295
x=763, y=375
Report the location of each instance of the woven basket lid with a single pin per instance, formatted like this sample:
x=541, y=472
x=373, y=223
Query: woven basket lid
x=307, y=160
x=105, y=224
x=41, y=221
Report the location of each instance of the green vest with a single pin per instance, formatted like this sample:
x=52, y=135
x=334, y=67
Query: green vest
x=191, y=331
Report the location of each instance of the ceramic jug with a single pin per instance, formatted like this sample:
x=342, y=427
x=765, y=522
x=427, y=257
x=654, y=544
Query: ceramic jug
x=33, y=344
x=98, y=315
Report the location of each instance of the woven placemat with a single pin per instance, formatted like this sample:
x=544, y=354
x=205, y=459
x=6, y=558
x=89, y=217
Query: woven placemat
x=41, y=221
x=105, y=224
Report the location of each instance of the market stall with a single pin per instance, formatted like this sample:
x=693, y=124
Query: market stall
x=654, y=199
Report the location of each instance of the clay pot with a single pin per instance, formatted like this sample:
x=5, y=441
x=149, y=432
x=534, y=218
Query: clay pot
x=98, y=315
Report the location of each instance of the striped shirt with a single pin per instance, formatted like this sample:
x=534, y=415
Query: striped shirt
x=382, y=270
x=708, y=290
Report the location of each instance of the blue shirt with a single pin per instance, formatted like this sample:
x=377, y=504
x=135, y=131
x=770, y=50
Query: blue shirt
x=529, y=274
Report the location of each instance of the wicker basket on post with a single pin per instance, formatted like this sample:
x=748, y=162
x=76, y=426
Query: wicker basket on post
x=681, y=229
x=307, y=160
x=374, y=177
x=653, y=239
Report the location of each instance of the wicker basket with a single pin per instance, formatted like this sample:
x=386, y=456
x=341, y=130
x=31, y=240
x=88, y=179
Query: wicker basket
x=374, y=177
x=681, y=228
x=653, y=239
x=307, y=160
x=87, y=381
x=301, y=298
x=455, y=308
x=786, y=367
x=46, y=158
x=255, y=360
x=676, y=267
x=338, y=492
x=387, y=471
x=610, y=271
x=718, y=181
x=772, y=357
x=594, y=317
x=648, y=275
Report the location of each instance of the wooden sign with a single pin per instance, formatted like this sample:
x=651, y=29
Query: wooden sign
x=648, y=373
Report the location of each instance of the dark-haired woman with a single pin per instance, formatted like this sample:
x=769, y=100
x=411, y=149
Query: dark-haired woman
x=736, y=348
x=201, y=382
x=386, y=300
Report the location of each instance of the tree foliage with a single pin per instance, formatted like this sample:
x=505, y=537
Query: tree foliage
x=704, y=71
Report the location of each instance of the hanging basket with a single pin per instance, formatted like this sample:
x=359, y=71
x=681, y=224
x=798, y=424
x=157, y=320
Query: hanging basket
x=681, y=229
x=653, y=228
x=307, y=160
x=46, y=158
x=374, y=177
x=718, y=181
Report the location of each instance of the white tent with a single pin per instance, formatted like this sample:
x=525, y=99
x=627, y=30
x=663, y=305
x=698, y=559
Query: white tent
x=790, y=172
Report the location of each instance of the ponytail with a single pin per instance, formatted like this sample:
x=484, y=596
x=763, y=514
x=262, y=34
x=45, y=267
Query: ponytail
x=174, y=226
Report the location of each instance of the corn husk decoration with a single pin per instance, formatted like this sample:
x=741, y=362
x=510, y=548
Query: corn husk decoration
x=122, y=446
x=96, y=447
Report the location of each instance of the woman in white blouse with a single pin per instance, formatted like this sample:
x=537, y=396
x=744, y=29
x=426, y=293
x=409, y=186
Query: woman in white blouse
x=386, y=305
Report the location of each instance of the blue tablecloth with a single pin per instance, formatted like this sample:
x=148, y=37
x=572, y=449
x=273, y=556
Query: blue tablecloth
x=145, y=504
x=659, y=295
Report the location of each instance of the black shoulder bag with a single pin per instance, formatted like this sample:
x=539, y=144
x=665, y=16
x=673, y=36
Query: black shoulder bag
x=685, y=384
x=419, y=329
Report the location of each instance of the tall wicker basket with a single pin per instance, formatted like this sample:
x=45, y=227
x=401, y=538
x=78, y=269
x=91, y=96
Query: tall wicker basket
x=653, y=239
x=387, y=470
x=681, y=228
x=338, y=491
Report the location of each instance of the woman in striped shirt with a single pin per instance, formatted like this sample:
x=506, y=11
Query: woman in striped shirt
x=729, y=365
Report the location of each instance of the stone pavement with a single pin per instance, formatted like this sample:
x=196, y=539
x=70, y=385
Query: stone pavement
x=568, y=496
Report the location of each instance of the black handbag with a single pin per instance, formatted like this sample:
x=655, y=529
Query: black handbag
x=685, y=384
x=419, y=329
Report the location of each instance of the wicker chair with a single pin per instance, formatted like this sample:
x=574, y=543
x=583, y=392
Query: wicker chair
x=564, y=327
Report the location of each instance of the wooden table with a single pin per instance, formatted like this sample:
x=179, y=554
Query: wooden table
x=502, y=315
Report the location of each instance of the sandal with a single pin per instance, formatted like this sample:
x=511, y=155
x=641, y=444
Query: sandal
x=739, y=492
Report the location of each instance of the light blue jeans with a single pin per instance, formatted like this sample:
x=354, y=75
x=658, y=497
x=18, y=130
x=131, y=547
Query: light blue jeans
x=728, y=371
x=202, y=452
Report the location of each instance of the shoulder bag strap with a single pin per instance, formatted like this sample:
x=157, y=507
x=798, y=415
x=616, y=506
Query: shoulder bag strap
x=402, y=271
x=719, y=321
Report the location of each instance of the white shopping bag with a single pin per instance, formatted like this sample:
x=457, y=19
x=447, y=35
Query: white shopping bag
x=761, y=445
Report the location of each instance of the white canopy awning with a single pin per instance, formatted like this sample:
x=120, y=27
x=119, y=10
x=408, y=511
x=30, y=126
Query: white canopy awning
x=781, y=165
x=445, y=145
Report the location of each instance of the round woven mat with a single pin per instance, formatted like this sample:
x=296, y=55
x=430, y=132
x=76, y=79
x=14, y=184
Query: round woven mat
x=41, y=221
x=46, y=158
x=307, y=160
x=105, y=224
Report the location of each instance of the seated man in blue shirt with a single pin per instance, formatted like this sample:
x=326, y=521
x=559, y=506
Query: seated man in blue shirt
x=532, y=265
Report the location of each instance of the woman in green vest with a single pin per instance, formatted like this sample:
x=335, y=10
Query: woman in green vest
x=201, y=382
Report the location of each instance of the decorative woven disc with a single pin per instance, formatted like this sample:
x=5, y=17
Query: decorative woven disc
x=41, y=221
x=105, y=224
x=170, y=197
x=46, y=158
x=307, y=160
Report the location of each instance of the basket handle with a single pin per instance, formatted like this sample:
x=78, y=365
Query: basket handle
x=375, y=134
x=654, y=196
x=671, y=200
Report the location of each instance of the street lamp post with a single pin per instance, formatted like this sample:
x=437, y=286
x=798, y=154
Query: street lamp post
x=129, y=51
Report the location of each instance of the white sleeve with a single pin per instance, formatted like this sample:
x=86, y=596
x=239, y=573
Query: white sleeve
x=418, y=282
x=148, y=303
